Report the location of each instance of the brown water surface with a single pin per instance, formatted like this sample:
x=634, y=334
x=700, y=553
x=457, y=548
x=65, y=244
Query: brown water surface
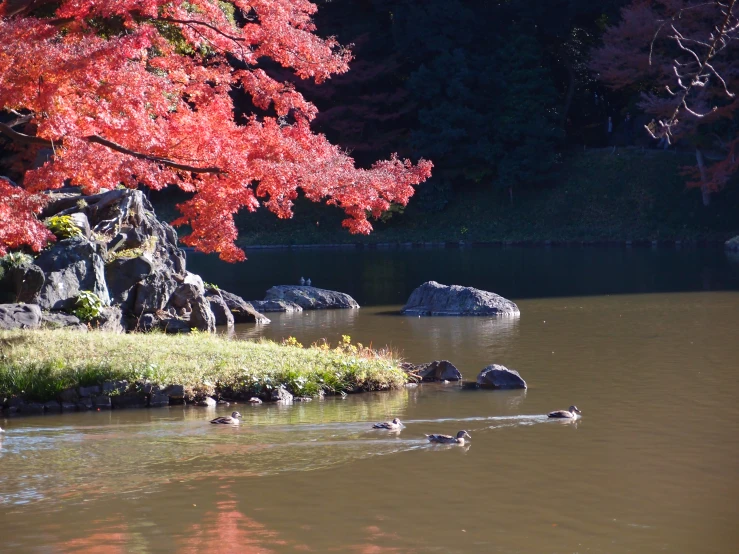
x=652, y=466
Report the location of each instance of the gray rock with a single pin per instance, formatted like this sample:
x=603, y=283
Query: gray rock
x=264, y=306
x=311, y=298
x=60, y=320
x=432, y=298
x=119, y=387
x=21, y=284
x=69, y=395
x=196, y=280
x=52, y=406
x=255, y=400
x=153, y=293
x=201, y=318
x=175, y=325
x=32, y=408
x=208, y=402
x=101, y=402
x=150, y=388
x=174, y=391
x=82, y=223
x=220, y=311
x=183, y=296
x=69, y=406
x=158, y=400
x=281, y=394
x=302, y=399
x=242, y=311
x=70, y=266
x=122, y=275
x=129, y=401
x=111, y=320
x=732, y=244
x=85, y=403
x=438, y=370
x=496, y=376
x=146, y=322
x=20, y=316
x=89, y=391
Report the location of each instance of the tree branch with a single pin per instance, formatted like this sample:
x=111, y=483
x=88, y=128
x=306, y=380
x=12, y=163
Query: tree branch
x=96, y=139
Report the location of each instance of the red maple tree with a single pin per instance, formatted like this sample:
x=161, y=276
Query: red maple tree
x=140, y=92
x=680, y=55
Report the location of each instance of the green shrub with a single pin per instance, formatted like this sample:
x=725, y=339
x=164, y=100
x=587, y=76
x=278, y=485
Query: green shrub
x=88, y=306
x=63, y=226
x=15, y=259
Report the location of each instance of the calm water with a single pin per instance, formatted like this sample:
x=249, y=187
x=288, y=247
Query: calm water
x=644, y=342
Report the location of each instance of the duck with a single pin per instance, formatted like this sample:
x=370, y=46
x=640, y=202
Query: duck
x=307, y=282
x=1, y=430
x=393, y=425
x=302, y=281
x=448, y=439
x=233, y=419
x=572, y=413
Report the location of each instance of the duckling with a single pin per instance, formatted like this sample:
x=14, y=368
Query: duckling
x=233, y=419
x=393, y=425
x=448, y=439
x=572, y=413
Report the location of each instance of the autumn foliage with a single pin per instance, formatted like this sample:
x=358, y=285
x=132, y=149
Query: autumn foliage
x=681, y=57
x=141, y=92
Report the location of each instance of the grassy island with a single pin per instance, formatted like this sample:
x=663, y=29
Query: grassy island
x=39, y=365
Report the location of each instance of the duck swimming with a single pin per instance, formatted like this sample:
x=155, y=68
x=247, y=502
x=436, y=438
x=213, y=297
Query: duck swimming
x=393, y=425
x=572, y=413
x=233, y=419
x=448, y=439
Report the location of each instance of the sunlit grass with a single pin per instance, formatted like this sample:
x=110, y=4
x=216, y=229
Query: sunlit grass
x=38, y=365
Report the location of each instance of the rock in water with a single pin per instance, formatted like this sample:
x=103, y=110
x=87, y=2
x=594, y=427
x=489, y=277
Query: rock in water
x=497, y=376
x=438, y=370
x=433, y=298
x=311, y=298
x=242, y=311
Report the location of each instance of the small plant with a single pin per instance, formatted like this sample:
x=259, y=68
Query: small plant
x=211, y=286
x=16, y=259
x=291, y=341
x=82, y=203
x=63, y=226
x=88, y=306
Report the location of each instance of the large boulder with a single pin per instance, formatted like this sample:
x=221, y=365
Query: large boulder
x=20, y=283
x=71, y=266
x=242, y=311
x=222, y=314
x=497, y=376
x=311, y=298
x=123, y=274
x=60, y=320
x=265, y=306
x=433, y=298
x=201, y=318
x=19, y=316
x=154, y=292
x=438, y=370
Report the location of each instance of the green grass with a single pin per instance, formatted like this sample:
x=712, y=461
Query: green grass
x=38, y=365
x=591, y=196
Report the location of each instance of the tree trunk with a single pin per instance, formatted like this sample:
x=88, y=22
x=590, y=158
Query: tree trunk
x=705, y=191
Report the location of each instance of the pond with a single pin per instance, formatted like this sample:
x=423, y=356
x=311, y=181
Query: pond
x=643, y=341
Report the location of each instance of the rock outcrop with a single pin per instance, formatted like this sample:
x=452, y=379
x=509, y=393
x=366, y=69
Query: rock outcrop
x=112, y=245
x=311, y=298
x=264, y=306
x=435, y=299
x=497, y=376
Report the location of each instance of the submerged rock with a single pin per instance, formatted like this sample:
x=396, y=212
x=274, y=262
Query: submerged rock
x=438, y=370
x=311, y=298
x=433, y=298
x=496, y=376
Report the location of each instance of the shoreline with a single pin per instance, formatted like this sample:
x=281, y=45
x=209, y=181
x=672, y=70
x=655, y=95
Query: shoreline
x=58, y=371
x=702, y=243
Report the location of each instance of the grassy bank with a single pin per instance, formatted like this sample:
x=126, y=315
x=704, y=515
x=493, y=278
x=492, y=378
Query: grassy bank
x=593, y=195
x=38, y=365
